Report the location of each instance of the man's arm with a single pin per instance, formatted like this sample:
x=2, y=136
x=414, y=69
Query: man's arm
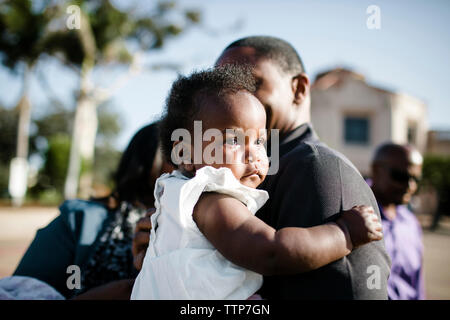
x=312, y=187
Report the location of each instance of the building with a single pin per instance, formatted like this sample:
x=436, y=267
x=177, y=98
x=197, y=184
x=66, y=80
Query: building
x=439, y=142
x=354, y=117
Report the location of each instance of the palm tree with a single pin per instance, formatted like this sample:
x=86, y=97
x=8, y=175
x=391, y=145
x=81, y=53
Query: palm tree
x=105, y=35
x=22, y=35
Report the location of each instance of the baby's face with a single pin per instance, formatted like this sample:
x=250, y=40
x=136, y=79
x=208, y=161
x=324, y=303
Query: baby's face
x=241, y=119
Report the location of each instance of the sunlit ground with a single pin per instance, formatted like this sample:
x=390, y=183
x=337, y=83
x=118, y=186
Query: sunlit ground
x=18, y=227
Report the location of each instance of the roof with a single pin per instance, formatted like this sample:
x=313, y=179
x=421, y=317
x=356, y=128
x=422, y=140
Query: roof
x=335, y=77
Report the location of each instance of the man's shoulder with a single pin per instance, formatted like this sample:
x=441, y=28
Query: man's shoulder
x=325, y=174
x=313, y=154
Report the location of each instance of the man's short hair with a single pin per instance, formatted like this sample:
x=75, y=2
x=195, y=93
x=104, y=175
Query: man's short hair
x=278, y=50
x=389, y=149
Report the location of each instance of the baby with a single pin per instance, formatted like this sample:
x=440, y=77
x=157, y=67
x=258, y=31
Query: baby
x=206, y=242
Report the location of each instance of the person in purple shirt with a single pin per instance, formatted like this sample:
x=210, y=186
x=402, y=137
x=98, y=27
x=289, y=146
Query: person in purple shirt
x=396, y=170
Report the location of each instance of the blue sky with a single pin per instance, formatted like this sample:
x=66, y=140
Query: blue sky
x=410, y=53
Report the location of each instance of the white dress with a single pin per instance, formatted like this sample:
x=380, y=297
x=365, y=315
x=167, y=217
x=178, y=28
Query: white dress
x=180, y=262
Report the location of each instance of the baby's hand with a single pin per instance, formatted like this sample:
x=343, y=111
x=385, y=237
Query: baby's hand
x=362, y=224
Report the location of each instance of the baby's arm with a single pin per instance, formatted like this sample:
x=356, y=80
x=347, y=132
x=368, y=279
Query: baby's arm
x=250, y=243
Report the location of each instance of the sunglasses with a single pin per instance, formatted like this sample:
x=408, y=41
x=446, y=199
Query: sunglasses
x=401, y=176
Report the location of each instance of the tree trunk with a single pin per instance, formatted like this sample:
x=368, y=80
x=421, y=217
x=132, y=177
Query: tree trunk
x=82, y=150
x=83, y=143
x=19, y=165
x=85, y=123
x=23, y=128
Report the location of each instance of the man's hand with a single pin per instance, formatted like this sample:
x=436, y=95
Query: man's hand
x=362, y=224
x=141, y=239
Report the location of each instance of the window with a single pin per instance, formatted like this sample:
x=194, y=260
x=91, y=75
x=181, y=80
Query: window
x=412, y=133
x=356, y=130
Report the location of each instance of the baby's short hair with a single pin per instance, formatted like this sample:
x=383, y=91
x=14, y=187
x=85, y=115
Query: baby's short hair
x=189, y=93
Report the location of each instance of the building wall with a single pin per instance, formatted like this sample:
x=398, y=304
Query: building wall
x=352, y=98
x=389, y=115
x=409, y=112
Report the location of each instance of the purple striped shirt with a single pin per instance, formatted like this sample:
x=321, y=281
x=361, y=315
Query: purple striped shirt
x=403, y=241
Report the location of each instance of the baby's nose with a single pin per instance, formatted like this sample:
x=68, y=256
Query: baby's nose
x=251, y=154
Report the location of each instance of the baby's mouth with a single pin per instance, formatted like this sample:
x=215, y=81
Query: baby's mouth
x=254, y=172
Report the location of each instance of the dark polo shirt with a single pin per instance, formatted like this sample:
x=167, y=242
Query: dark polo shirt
x=313, y=184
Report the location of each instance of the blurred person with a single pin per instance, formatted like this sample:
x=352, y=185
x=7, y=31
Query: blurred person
x=313, y=184
x=27, y=288
x=396, y=170
x=96, y=235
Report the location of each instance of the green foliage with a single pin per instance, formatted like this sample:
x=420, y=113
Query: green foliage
x=113, y=29
x=26, y=31
x=8, y=139
x=21, y=31
x=51, y=142
x=109, y=124
x=8, y=136
x=53, y=174
x=55, y=121
x=30, y=29
x=106, y=161
x=436, y=172
x=4, y=176
x=86, y=166
x=50, y=197
x=55, y=128
x=106, y=157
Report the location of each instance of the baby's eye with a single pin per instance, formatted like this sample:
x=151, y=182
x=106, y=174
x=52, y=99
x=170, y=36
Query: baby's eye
x=232, y=141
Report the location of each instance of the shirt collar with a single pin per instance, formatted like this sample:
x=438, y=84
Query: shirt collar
x=304, y=132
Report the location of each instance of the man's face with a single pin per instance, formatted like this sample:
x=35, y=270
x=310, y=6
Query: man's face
x=274, y=87
x=396, y=180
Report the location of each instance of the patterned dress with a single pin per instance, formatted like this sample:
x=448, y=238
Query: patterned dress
x=112, y=257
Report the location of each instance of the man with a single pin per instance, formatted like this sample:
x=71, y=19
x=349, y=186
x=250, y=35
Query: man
x=396, y=170
x=313, y=183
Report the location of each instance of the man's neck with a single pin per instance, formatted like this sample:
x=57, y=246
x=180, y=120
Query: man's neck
x=389, y=209
x=300, y=114
x=286, y=130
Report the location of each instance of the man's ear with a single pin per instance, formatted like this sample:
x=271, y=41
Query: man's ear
x=300, y=87
x=376, y=169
